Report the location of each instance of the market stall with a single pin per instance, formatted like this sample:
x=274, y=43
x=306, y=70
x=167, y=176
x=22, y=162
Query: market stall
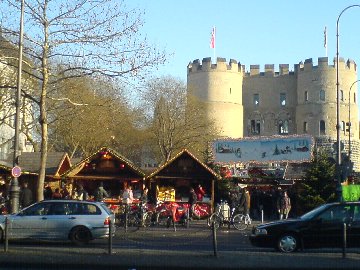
x=109, y=168
x=172, y=181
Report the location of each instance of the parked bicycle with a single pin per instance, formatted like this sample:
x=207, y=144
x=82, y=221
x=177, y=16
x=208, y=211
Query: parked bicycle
x=138, y=216
x=168, y=213
x=223, y=215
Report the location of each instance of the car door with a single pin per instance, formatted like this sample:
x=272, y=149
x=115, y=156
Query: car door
x=58, y=221
x=353, y=236
x=30, y=222
x=331, y=224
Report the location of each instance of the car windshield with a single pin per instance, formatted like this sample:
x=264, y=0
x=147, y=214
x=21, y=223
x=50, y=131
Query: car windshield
x=314, y=212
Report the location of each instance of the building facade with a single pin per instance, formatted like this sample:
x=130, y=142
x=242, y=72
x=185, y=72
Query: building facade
x=302, y=101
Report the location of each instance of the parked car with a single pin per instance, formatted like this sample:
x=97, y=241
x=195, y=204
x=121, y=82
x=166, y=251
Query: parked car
x=321, y=227
x=78, y=221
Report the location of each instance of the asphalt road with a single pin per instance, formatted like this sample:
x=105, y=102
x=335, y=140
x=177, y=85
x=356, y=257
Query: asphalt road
x=164, y=248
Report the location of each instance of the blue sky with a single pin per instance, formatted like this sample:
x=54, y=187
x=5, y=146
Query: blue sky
x=251, y=32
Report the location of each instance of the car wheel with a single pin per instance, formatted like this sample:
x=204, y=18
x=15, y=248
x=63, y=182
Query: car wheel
x=288, y=243
x=80, y=235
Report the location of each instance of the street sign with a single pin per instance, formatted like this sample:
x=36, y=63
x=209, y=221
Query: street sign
x=16, y=171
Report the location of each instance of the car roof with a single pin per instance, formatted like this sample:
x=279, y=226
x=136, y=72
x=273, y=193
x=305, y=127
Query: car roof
x=78, y=201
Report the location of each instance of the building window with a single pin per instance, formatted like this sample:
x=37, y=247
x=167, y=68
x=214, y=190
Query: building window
x=256, y=99
x=322, y=95
x=283, y=127
x=341, y=95
x=305, y=127
x=306, y=96
x=282, y=99
x=255, y=126
x=354, y=97
x=342, y=126
x=322, y=127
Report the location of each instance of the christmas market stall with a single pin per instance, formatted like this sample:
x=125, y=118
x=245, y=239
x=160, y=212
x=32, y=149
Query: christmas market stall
x=108, y=168
x=172, y=182
x=29, y=162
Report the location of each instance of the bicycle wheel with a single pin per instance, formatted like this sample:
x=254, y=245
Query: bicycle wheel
x=147, y=219
x=161, y=219
x=214, y=219
x=239, y=223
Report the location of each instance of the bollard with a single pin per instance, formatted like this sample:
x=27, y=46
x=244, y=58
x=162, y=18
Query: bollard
x=6, y=232
x=126, y=217
x=214, y=238
x=110, y=236
x=262, y=216
x=344, y=242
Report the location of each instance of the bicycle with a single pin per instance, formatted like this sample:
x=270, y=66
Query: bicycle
x=223, y=216
x=137, y=216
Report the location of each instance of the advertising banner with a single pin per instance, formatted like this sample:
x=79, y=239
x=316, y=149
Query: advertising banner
x=263, y=149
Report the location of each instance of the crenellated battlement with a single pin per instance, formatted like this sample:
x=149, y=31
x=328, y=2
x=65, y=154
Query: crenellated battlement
x=269, y=69
x=220, y=65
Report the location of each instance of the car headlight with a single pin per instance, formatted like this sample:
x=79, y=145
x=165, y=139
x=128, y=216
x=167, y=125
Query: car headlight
x=259, y=231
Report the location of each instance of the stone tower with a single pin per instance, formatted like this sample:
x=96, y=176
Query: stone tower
x=284, y=102
x=219, y=86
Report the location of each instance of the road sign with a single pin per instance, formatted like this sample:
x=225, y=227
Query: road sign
x=16, y=171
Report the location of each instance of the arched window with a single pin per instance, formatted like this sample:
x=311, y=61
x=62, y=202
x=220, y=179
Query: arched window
x=306, y=96
x=283, y=126
x=322, y=95
x=322, y=127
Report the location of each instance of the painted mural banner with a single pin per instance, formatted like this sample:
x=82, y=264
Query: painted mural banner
x=263, y=149
x=351, y=192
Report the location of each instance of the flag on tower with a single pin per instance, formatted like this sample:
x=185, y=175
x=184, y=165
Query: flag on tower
x=325, y=38
x=212, y=39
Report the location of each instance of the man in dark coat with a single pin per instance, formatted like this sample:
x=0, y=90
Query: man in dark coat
x=26, y=197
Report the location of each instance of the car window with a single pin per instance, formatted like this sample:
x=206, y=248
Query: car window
x=338, y=213
x=356, y=213
x=83, y=209
x=107, y=210
x=36, y=210
x=58, y=208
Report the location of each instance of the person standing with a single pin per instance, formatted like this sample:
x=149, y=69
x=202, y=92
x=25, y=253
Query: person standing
x=47, y=192
x=82, y=193
x=192, y=202
x=57, y=194
x=100, y=193
x=26, y=196
x=200, y=192
x=283, y=205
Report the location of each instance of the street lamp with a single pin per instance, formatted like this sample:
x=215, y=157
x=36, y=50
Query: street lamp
x=349, y=123
x=338, y=154
x=14, y=187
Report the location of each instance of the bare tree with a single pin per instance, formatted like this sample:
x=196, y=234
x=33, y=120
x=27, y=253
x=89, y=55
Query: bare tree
x=178, y=121
x=83, y=38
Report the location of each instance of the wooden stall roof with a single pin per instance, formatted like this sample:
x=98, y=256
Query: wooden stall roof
x=184, y=165
x=296, y=171
x=29, y=162
x=104, y=164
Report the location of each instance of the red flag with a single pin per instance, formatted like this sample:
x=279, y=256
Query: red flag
x=212, y=39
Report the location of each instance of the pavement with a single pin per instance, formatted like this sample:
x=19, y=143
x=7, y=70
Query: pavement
x=66, y=256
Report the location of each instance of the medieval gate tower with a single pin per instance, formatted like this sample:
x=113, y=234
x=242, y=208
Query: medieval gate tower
x=302, y=101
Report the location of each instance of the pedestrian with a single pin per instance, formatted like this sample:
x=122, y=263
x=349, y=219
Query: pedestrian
x=100, y=193
x=82, y=194
x=200, y=192
x=283, y=205
x=127, y=199
x=47, y=191
x=57, y=194
x=26, y=196
x=192, y=202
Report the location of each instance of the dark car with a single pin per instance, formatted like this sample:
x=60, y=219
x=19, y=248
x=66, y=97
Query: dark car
x=321, y=227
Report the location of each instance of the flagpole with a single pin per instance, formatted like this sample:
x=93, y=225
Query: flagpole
x=325, y=41
x=215, y=44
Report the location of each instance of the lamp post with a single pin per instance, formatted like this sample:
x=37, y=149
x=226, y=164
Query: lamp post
x=349, y=123
x=14, y=187
x=338, y=154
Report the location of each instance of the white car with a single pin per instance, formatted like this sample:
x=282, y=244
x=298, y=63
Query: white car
x=78, y=221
